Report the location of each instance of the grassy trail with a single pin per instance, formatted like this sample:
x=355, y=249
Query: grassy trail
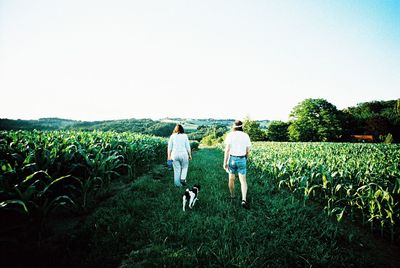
x=144, y=226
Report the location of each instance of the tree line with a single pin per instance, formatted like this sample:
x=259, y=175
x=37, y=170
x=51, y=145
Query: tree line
x=310, y=120
x=144, y=126
x=318, y=120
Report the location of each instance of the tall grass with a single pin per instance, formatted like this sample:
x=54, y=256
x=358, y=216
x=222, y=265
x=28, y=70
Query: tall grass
x=146, y=227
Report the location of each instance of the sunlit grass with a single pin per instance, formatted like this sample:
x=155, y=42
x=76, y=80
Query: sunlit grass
x=145, y=226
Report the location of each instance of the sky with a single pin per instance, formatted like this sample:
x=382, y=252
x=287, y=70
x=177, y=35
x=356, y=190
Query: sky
x=104, y=60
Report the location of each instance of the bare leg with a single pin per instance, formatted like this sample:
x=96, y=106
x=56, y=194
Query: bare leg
x=231, y=184
x=243, y=186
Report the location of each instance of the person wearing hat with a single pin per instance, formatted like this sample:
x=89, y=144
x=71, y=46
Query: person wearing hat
x=237, y=148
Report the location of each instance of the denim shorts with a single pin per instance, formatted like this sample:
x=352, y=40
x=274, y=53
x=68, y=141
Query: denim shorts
x=237, y=164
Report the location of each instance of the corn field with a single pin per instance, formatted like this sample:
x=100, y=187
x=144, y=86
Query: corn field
x=42, y=171
x=360, y=182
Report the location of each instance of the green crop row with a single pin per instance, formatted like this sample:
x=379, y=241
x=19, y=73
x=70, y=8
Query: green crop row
x=41, y=171
x=359, y=181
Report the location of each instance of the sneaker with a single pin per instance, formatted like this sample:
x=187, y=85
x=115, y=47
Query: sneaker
x=245, y=204
x=183, y=183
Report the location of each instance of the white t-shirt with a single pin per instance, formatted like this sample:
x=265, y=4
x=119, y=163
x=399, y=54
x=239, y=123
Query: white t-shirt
x=179, y=143
x=238, y=141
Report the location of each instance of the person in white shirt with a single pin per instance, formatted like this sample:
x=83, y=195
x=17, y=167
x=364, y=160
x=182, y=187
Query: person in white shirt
x=179, y=151
x=237, y=148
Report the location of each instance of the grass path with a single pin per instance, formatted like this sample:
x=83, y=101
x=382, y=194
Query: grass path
x=144, y=226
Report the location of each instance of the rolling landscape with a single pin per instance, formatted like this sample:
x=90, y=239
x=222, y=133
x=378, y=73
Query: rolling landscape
x=116, y=117
x=99, y=194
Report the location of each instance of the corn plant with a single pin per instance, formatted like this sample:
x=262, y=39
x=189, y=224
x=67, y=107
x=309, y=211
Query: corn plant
x=357, y=180
x=41, y=171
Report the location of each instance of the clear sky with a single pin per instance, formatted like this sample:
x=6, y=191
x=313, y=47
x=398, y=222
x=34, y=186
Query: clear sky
x=98, y=60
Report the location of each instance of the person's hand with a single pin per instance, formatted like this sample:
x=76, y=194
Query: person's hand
x=169, y=164
x=225, y=166
x=190, y=157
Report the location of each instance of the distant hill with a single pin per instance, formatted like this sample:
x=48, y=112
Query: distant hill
x=194, y=123
x=162, y=127
x=145, y=126
x=379, y=119
x=42, y=124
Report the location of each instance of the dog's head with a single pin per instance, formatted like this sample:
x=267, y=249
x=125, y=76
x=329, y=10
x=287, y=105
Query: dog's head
x=197, y=186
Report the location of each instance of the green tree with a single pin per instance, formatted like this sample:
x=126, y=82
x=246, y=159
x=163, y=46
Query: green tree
x=314, y=120
x=202, y=131
x=252, y=128
x=376, y=117
x=278, y=131
x=211, y=140
x=161, y=129
x=378, y=126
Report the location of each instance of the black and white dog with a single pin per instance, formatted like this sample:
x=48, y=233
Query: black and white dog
x=190, y=196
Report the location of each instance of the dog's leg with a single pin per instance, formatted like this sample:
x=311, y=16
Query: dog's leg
x=194, y=201
x=191, y=201
x=184, y=203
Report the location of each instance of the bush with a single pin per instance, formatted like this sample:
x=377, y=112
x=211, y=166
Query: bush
x=211, y=140
x=194, y=145
x=389, y=139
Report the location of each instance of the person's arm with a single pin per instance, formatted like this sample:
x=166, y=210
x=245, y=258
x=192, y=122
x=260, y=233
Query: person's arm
x=169, y=149
x=227, y=151
x=187, y=144
x=248, y=146
x=226, y=156
x=247, y=151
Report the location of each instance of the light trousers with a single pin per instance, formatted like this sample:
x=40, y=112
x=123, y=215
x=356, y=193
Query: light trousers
x=181, y=165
